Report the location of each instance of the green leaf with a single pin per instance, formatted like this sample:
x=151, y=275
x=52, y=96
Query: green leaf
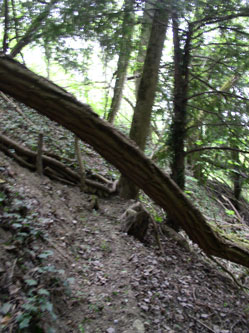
x=43, y=292
x=46, y=254
x=47, y=306
x=29, y=307
x=61, y=271
x=230, y=212
x=31, y=282
x=51, y=330
x=5, y=308
x=16, y=225
x=2, y=196
x=25, y=322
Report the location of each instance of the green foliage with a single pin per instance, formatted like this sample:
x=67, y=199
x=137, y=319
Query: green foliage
x=41, y=281
x=2, y=198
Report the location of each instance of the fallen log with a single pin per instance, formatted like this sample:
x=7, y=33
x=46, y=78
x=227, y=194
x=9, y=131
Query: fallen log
x=53, y=167
x=60, y=106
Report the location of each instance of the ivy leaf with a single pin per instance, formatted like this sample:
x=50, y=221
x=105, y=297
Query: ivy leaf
x=24, y=323
x=43, y=292
x=47, y=306
x=31, y=282
x=46, y=254
x=5, y=308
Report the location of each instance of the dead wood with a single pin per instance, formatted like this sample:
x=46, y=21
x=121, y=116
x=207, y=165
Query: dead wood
x=81, y=163
x=52, y=174
x=39, y=166
x=157, y=236
x=53, y=167
x=19, y=159
x=60, y=106
x=135, y=221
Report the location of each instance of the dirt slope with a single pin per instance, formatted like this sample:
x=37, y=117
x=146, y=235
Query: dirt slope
x=115, y=284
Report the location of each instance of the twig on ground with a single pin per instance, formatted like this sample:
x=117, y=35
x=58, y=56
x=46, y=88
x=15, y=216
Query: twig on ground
x=157, y=236
x=201, y=323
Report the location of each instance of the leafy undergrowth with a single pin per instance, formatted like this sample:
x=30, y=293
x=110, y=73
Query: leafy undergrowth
x=214, y=200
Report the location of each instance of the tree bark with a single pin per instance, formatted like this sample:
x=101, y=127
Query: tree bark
x=146, y=92
x=27, y=158
x=178, y=132
x=146, y=26
x=6, y=26
x=60, y=106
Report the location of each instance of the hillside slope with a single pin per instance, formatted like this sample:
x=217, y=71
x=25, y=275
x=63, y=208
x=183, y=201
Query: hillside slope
x=67, y=268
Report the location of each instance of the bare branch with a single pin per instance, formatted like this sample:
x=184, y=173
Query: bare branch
x=216, y=148
x=218, y=92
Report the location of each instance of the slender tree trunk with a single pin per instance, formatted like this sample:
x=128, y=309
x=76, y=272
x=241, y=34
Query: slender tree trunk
x=236, y=177
x=6, y=26
x=13, y=5
x=146, y=93
x=124, y=57
x=178, y=131
x=47, y=52
x=60, y=106
x=147, y=20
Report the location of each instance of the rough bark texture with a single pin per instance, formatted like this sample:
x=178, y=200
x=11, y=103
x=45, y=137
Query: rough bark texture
x=146, y=92
x=135, y=221
x=178, y=134
x=58, y=105
x=144, y=38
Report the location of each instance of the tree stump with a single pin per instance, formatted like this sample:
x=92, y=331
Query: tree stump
x=135, y=221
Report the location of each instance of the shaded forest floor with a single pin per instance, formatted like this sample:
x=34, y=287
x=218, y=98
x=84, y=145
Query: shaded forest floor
x=65, y=267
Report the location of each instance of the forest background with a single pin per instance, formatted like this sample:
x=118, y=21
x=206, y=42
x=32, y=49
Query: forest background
x=171, y=75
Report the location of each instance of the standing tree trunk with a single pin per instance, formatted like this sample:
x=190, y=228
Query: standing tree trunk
x=124, y=57
x=144, y=39
x=6, y=26
x=60, y=106
x=146, y=93
x=236, y=177
x=181, y=80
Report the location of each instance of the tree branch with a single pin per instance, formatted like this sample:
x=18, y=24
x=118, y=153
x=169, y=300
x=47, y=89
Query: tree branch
x=216, y=148
x=218, y=92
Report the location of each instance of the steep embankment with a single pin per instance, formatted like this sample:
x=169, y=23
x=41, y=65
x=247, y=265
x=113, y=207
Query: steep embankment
x=57, y=251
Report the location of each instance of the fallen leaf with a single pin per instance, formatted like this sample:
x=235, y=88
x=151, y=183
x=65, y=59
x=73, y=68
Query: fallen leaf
x=5, y=320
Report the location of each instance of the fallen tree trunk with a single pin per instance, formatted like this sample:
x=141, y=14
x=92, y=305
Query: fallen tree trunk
x=60, y=106
x=53, y=167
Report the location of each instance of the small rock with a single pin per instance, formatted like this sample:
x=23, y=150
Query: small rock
x=138, y=326
x=110, y=330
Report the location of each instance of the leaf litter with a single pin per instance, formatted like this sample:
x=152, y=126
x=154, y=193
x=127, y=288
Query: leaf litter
x=95, y=278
